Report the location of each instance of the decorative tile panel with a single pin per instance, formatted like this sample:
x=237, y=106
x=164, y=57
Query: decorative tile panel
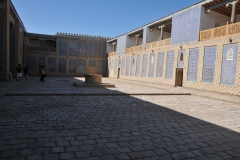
x=160, y=65
x=132, y=66
x=72, y=49
x=62, y=65
x=92, y=50
x=51, y=64
x=181, y=54
x=101, y=50
x=82, y=49
x=144, y=65
x=138, y=66
x=62, y=48
x=151, y=65
x=193, y=64
x=82, y=66
x=209, y=64
x=72, y=66
x=31, y=62
x=185, y=26
x=127, y=66
x=169, y=67
x=123, y=66
x=229, y=64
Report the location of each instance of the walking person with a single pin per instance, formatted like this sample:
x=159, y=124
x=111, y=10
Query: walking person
x=42, y=74
x=25, y=72
x=19, y=72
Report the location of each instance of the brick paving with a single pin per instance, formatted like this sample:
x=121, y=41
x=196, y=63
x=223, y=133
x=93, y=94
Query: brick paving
x=69, y=126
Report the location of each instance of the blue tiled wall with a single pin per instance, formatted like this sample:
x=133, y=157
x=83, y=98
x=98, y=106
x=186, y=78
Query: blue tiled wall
x=229, y=64
x=185, y=26
x=193, y=64
x=169, y=67
x=209, y=64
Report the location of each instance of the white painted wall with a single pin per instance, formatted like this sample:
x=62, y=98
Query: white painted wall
x=152, y=36
x=121, y=44
x=209, y=20
x=237, y=17
x=166, y=35
x=155, y=35
x=131, y=42
x=109, y=48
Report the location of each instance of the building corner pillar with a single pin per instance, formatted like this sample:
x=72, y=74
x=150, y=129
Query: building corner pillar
x=4, y=46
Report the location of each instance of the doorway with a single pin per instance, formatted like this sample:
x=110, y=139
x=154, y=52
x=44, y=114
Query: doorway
x=179, y=77
x=118, y=73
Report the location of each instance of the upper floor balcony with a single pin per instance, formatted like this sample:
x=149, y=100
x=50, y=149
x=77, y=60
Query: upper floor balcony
x=157, y=44
x=133, y=49
x=229, y=29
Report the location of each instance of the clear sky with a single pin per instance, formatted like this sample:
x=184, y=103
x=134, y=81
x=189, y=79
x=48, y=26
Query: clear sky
x=93, y=17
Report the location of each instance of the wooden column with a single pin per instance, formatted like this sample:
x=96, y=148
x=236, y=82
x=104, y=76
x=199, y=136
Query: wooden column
x=233, y=15
x=161, y=33
x=137, y=39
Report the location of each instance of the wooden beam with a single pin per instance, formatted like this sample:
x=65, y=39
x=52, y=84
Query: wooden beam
x=218, y=5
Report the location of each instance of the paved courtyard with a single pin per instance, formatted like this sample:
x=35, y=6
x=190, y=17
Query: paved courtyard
x=55, y=120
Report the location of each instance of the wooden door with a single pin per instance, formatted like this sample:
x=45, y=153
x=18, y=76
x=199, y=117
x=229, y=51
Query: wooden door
x=179, y=77
x=118, y=74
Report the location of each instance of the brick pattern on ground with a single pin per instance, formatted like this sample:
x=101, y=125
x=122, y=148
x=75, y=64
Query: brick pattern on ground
x=115, y=127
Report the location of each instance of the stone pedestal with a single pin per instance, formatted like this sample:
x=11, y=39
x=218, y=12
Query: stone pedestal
x=93, y=78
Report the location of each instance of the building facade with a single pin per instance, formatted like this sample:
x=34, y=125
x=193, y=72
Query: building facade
x=63, y=54
x=197, y=47
x=60, y=54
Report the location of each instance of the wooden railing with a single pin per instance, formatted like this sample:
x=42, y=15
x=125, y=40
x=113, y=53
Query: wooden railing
x=111, y=54
x=157, y=44
x=133, y=49
x=229, y=29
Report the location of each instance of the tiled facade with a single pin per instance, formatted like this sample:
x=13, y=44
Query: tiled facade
x=224, y=80
x=73, y=56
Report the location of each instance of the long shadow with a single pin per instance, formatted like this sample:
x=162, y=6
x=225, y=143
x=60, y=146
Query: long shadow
x=106, y=127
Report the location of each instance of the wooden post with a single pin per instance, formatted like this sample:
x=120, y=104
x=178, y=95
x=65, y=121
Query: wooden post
x=212, y=31
x=233, y=15
x=227, y=29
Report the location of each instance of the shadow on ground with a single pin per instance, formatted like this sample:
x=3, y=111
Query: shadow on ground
x=103, y=127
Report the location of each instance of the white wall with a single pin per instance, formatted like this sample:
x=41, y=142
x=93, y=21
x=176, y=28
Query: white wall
x=152, y=36
x=140, y=41
x=166, y=35
x=109, y=48
x=121, y=44
x=131, y=42
x=237, y=17
x=155, y=35
x=209, y=20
